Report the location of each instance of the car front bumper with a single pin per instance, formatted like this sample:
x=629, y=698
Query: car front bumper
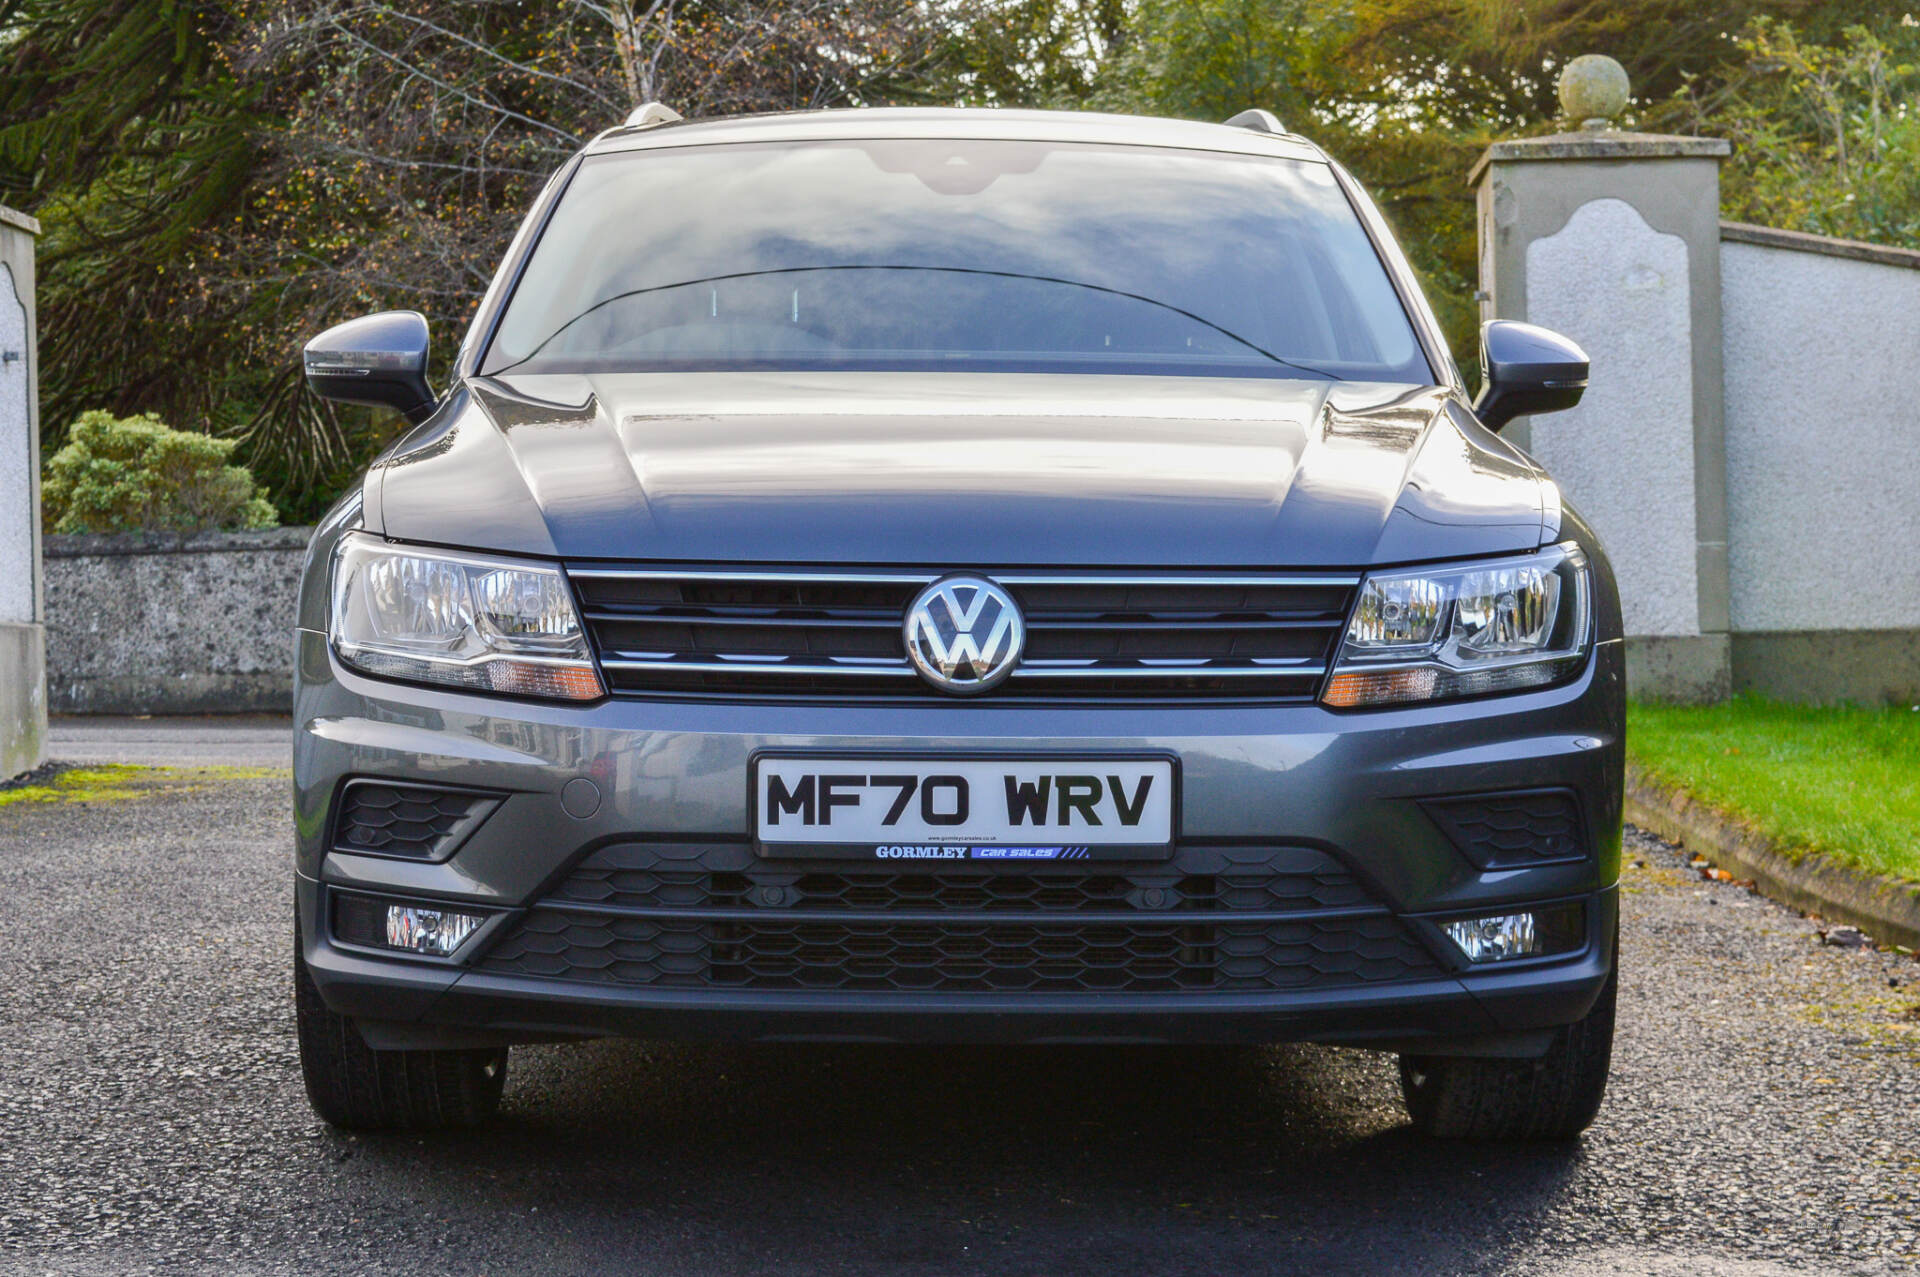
x=1347, y=787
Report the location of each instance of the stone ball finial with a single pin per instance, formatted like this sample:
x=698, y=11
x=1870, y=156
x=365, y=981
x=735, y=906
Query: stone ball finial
x=1593, y=90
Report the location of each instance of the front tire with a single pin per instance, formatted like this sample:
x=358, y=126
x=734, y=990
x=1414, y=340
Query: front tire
x=1552, y=1098
x=356, y=1088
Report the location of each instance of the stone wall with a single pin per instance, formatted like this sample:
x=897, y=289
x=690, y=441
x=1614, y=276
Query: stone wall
x=1823, y=463
x=147, y=624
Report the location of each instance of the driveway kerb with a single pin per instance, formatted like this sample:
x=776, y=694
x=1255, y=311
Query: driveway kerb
x=1886, y=908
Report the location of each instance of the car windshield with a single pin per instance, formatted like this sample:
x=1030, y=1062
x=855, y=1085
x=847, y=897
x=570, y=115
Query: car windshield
x=956, y=255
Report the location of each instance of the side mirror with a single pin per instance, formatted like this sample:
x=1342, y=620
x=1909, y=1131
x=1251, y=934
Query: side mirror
x=377, y=359
x=1526, y=370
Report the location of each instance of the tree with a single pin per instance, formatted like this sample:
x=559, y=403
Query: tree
x=1407, y=93
x=1026, y=52
x=123, y=128
x=1208, y=59
x=1824, y=137
x=416, y=133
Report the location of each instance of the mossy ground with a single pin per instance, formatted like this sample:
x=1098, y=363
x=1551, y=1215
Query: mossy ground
x=106, y=783
x=120, y=782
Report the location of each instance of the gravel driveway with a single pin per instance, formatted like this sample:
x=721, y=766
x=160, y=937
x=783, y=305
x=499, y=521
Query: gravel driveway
x=1764, y=1115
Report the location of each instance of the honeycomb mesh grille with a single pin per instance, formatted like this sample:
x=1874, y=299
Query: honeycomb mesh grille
x=1508, y=831
x=406, y=820
x=1133, y=957
x=1222, y=919
x=678, y=877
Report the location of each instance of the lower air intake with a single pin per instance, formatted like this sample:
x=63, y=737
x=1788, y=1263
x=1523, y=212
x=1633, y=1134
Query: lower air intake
x=959, y=957
x=1513, y=830
x=418, y=822
x=1217, y=918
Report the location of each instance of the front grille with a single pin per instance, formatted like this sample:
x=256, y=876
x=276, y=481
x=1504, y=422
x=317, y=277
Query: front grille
x=685, y=876
x=1512, y=830
x=959, y=956
x=420, y=822
x=837, y=634
x=713, y=916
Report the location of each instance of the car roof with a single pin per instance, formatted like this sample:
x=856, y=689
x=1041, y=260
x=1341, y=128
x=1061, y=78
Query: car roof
x=957, y=123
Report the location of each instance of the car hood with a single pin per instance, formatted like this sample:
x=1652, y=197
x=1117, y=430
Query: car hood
x=961, y=469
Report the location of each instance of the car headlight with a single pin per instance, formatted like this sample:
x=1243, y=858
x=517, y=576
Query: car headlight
x=1465, y=630
x=498, y=625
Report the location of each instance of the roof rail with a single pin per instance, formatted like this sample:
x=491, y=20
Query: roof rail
x=645, y=117
x=1257, y=120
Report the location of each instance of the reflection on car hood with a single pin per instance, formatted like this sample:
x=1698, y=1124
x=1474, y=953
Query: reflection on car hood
x=960, y=469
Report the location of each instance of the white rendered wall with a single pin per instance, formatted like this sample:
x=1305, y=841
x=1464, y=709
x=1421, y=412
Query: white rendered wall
x=1823, y=440
x=1624, y=457
x=16, y=453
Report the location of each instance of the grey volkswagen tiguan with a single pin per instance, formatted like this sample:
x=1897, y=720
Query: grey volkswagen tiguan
x=939, y=575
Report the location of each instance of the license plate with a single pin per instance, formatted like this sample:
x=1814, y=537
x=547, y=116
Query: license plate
x=978, y=809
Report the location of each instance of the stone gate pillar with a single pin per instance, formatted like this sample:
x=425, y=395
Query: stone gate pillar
x=1614, y=239
x=23, y=674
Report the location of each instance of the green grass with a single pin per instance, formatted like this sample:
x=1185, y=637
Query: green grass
x=1838, y=779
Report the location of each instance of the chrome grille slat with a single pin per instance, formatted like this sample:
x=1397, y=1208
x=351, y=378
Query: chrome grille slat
x=922, y=578
x=1197, y=579
x=721, y=574
x=755, y=667
x=1164, y=671
x=1091, y=636
x=774, y=622
x=1066, y=621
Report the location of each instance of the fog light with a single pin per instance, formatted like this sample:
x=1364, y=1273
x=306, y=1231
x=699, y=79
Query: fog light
x=380, y=924
x=435, y=931
x=1528, y=934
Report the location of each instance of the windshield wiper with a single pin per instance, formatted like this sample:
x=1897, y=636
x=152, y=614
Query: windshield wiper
x=947, y=270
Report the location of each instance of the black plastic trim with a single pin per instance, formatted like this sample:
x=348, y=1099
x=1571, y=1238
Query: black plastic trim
x=487, y=801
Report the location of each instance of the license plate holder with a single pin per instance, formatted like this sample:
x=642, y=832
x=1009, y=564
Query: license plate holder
x=981, y=809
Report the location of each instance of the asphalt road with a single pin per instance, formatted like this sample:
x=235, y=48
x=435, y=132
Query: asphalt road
x=1764, y=1116
x=185, y=741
